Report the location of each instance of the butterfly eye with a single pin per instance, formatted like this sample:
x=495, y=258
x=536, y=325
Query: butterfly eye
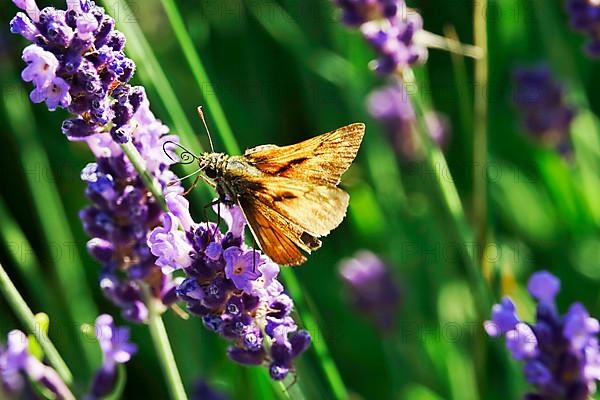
x=210, y=172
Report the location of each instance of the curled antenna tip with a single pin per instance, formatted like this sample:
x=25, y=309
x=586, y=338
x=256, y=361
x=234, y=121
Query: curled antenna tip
x=186, y=156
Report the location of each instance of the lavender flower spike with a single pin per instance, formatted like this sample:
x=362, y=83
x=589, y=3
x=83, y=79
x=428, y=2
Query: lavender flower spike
x=233, y=288
x=561, y=354
x=77, y=62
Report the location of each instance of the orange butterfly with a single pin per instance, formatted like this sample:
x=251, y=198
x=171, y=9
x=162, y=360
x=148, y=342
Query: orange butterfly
x=289, y=194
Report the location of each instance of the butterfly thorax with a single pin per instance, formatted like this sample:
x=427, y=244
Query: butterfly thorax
x=213, y=164
x=229, y=174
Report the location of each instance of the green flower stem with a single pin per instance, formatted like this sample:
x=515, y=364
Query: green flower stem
x=149, y=180
x=24, y=313
x=160, y=339
x=480, y=150
x=437, y=163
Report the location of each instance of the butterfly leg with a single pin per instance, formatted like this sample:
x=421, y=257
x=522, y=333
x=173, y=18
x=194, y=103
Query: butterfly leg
x=193, y=186
x=205, y=215
x=253, y=255
x=218, y=217
x=293, y=371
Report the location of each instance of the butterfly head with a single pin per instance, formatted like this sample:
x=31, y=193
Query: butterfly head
x=212, y=165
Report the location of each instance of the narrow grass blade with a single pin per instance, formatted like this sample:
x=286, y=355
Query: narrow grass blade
x=28, y=266
x=24, y=313
x=480, y=130
x=153, y=76
x=326, y=361
x=53, y=222
x=198, y=71
x=437, y=162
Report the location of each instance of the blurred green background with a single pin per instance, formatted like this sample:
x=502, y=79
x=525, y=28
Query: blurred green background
x=288, y=70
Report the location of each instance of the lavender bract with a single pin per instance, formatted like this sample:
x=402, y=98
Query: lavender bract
x=561, y=355
x=540, y=100
x=77, y=62
x=233, y=288
x=372, y=289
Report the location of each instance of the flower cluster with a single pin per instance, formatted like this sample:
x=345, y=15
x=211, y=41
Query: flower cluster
x=584, y=17
x=560, y=353
x=391, y=28
x=122, y=214
x=116, y=349
x=392, y=107
x=232, y=287
x=372, y=289
x=77, y=62
x=16, y=362
x=540, y=100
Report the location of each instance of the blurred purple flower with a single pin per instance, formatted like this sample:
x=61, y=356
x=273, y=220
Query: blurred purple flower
x=392, y=107
x=585, y=17
x=116, y=349
x=561, y=355
x=391, y=28
x=372, y=289
x=540, y=100
x=16, y=361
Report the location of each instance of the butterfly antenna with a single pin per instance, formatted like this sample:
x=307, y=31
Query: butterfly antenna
x=201, y=114
x=174, y=181
x=186, y=157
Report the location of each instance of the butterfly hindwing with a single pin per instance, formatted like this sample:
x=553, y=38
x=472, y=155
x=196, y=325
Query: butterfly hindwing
x=315, y=208
x=278, y=238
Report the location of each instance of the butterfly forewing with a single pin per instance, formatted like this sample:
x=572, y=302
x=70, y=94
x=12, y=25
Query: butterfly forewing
x=289, y=195
x=321, y=160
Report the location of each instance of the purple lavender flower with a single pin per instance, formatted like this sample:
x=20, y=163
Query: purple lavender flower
x=561, y=355
x=585, y=17
x=116, y=349
x=390, y=29
x=233, y=289
x=372, y=289
x=77, y=62
x=541, y=102
x=392, y=107
x=16, y=362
